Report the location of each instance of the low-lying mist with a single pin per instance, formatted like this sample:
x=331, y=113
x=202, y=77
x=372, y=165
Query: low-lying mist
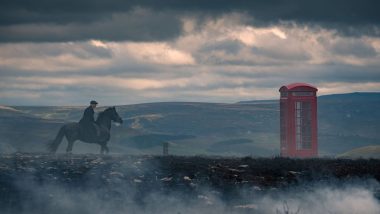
x=122, y=185
x=347, y=198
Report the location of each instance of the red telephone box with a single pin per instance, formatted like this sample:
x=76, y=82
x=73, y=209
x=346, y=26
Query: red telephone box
x=298, y=120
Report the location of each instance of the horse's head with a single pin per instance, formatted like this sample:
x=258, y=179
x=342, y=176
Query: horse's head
x=114, y=115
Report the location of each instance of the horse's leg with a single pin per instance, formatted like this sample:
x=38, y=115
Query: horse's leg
x=53, y=145
x=103, y=148
x=70, y=146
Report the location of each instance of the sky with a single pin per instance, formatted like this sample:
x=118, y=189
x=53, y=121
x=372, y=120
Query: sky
x=68, y=52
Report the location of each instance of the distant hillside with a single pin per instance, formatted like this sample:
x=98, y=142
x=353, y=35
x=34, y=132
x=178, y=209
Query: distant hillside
x=21, y=131
x=349, y=97
x=346, y=121
x=356, y=97
x=362, y=152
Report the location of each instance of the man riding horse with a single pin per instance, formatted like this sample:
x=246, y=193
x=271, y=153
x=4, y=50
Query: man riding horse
x=89, y=129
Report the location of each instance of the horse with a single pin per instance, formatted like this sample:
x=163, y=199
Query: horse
x=72, y=132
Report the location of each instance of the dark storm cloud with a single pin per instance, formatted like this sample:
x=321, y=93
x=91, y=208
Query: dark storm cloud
x=365, y=11
x=136, y=25
x=80, y=50
x=67, y=20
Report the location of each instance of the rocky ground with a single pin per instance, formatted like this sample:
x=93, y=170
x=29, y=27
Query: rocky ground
x=40, y=183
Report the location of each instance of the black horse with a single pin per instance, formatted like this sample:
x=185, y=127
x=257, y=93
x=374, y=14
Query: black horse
x=72, y=132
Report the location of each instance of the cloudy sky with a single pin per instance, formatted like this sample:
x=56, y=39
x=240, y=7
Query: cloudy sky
x=67, y=52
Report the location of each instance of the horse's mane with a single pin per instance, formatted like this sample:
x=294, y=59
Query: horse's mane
x=102, y=114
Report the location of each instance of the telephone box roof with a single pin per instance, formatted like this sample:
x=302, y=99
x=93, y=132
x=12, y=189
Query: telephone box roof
x=298, y=87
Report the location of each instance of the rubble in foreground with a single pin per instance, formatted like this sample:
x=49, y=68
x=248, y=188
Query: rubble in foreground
x=112, y=176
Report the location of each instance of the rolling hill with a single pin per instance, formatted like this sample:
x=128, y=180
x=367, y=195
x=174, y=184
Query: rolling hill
x=362, y=152
x=346, y=122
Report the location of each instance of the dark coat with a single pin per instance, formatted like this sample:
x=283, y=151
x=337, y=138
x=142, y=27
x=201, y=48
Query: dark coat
x=87, y=125
x=88, y=116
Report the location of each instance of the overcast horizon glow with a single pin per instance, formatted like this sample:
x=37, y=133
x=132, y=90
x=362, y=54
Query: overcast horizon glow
x=137, y=53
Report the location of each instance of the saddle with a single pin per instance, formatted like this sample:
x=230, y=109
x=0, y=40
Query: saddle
x=91, y=133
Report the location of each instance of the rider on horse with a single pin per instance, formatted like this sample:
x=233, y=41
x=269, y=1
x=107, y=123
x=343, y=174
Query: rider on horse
x=89, y=128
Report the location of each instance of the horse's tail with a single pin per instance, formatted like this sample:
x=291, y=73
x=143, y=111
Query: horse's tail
x=53, y=145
